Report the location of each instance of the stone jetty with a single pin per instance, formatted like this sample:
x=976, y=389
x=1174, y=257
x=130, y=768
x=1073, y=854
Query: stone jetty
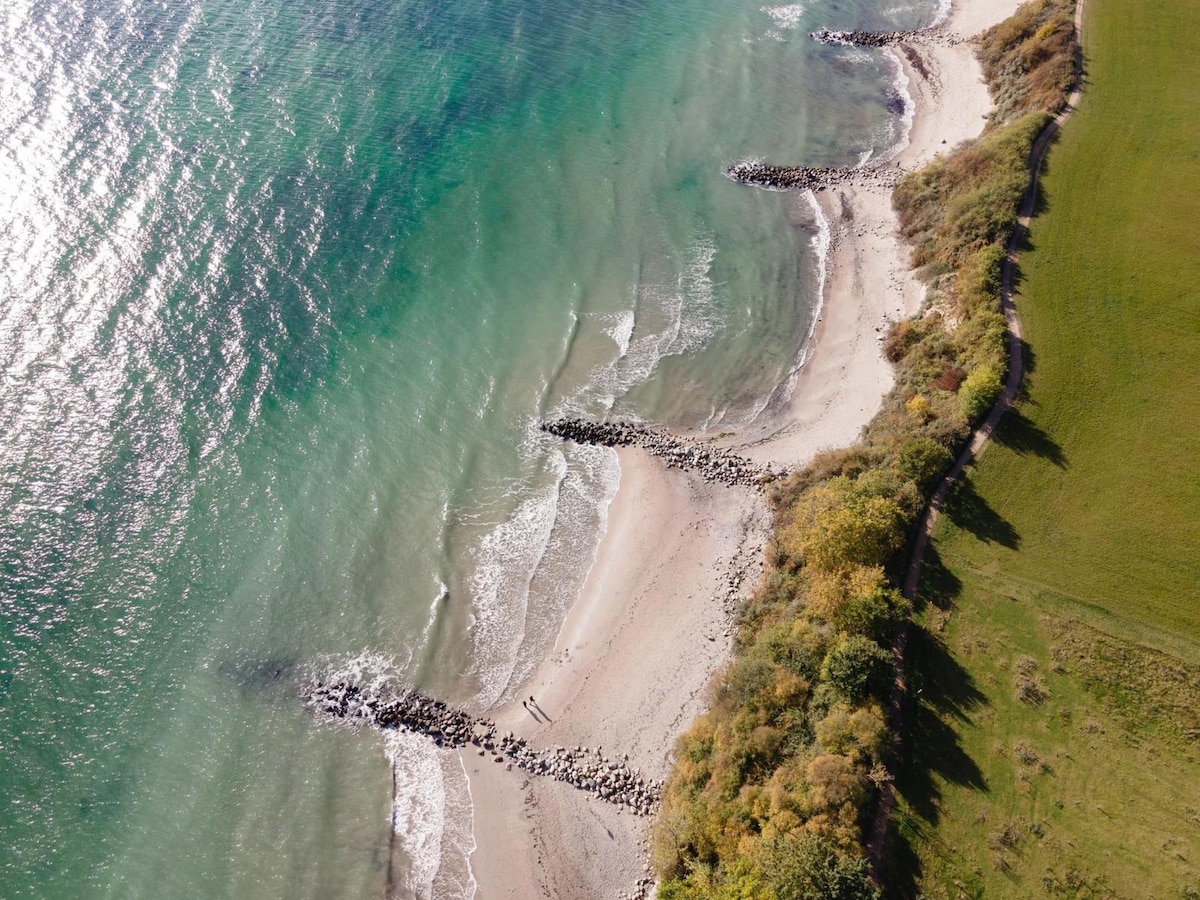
x=786, y=178
x=870, y=38
x=816, y=178
x=587, y=769
x=709, y=462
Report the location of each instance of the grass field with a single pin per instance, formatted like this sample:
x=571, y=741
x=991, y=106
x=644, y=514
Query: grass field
x=1054, y=744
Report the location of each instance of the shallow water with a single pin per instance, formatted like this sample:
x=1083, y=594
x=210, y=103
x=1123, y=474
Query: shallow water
x=284, y=289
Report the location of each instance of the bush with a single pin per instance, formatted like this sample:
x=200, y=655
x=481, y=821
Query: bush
x=846, y=522
x=875, y=615
x=1028, y=59
x=810, y=867
x=922, y=460
x=857, y=668
x=860, y=734
x=980, y=390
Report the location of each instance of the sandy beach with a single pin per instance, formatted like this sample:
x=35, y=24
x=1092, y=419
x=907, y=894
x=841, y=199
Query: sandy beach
x=629, y=668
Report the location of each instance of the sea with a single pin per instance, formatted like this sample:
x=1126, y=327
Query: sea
x=285, y=290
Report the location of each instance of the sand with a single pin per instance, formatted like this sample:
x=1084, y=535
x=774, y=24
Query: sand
x=629, y=669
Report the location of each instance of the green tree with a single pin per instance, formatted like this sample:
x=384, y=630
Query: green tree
x=922, y=459
x=856, y=667
x=875, y=614
x=810, y=867
x=979, y=391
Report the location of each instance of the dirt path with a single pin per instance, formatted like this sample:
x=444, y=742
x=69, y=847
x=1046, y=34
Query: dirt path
x=1016, y=373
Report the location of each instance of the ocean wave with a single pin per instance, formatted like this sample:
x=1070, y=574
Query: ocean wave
x=529, y=568
x=785, y=17
x=691, y=318
x=432, y=817
x=504, y=563
x=822, y=243
x=418, y=816
x=898, y=130
x=455, y=879
x=376, y=672
x=891, y=137
x=621, y=330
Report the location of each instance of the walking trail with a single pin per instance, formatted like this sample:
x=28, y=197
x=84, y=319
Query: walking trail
x=1016, y=373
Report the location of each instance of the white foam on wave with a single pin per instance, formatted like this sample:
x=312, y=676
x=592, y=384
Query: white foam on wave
x=943, y=12
x=893, y=136
x=822, y=243
x=691, y=318
x=431, y=812
x=529, y=567
x=418, y=806
x=504, y=563
x=375, y=672
x=899, y=132
x=785, y=17
x=432, y=816
x=456, y=879
x=621, y=330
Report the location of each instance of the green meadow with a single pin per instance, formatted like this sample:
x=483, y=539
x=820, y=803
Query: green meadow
x=1053, y=733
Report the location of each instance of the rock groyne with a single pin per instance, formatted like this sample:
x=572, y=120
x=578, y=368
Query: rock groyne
x=584, y=768
x=786, y=178
x=799, y=178
x=870, y=38
x=709, y=462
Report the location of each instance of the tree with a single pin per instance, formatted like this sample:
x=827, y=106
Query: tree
x=979, y=391
x=865, y=534
x=923, y=459
x=856, y=667
x=874, y=614
x=810, y=867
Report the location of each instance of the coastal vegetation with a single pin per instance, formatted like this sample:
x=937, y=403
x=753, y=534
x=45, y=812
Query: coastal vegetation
x=773, y=784
x=1067, y=560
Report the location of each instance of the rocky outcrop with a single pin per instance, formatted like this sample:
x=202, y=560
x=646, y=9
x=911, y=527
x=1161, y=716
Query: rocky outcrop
x=585, y=768
x=709, y=462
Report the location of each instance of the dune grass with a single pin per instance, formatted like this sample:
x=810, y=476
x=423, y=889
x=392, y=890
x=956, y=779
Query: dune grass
x=1054, y=744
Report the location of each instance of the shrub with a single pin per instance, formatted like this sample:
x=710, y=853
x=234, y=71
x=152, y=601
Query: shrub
x=857, y=668
x=978, y=392
x=859, y=734
x=1031, y=690
x=876, y=614
x=810, y=867
x=918, y=407
x=1028, y=59
x=922, y=460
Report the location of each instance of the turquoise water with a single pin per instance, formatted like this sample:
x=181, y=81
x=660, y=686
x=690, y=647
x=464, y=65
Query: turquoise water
x=284, y=289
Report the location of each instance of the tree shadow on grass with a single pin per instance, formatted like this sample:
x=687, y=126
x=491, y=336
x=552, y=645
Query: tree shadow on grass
x=971, y=512
x=1029, y=362
x=1022, y=435
x=942, y=698
x=939, y=586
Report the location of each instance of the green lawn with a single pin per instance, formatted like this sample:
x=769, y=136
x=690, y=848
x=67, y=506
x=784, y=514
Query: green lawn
x=1094, y=493
x=1073, y=548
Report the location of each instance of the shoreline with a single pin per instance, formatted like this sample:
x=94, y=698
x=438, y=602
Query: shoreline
x=632, y=660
